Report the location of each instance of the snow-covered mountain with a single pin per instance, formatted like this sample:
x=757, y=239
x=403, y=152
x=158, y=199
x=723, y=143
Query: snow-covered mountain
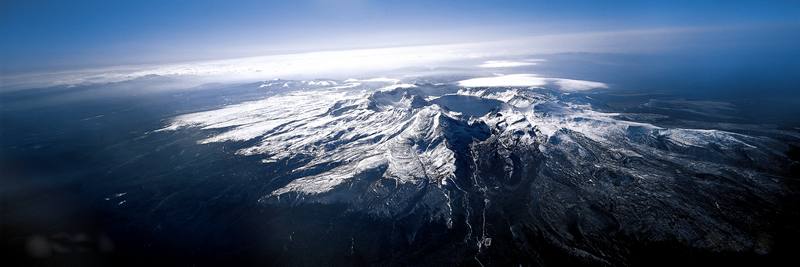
x=501, y=163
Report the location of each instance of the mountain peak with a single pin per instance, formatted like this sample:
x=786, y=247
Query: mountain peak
x=450, y=153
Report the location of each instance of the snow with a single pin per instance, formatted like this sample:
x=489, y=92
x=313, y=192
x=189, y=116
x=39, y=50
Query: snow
x=394, y=130
x=390, y=151
x=395, y=86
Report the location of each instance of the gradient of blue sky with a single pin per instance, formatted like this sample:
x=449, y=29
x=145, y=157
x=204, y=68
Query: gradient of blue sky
x=75, y=34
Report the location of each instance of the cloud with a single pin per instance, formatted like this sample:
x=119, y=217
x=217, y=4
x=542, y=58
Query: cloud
x=341, y=63
x=531, y=80
x=513, y=80
x=577, y=85
x=345, y=63
x=505, y=64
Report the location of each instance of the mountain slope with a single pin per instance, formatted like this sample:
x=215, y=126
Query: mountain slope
x=502, y=165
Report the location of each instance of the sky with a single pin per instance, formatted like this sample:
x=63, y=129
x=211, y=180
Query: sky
x=64, y=35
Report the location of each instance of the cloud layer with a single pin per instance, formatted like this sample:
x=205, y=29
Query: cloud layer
x=532, y=80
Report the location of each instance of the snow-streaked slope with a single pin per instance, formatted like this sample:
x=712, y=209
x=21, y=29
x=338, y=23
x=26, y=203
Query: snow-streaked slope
x=446, y=151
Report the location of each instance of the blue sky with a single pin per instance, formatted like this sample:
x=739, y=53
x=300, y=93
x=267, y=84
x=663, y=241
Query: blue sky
x=47, y=35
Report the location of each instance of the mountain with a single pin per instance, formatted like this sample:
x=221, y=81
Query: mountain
x=506, y=167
